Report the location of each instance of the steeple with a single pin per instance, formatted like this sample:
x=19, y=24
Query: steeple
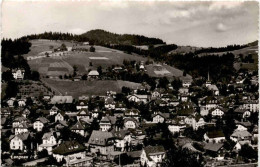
x=208, y=82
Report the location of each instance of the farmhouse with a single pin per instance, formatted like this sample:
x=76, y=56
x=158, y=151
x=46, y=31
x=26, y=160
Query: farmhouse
x=159, y=117
x=215, y=150
x=78, y=128
x=241, y=136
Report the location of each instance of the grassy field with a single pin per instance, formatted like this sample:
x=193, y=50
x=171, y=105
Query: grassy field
x=158, y=70
x=104, y=57
x=97, y=87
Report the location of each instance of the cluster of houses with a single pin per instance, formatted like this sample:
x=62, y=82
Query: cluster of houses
x=112, y=127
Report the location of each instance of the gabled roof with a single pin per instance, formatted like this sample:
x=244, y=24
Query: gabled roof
x=215, y=134
x=83, y=112
x=164, y=115
x=42, y=120
x=47, y=135
x=77, y=126
x=134, y=110
x=93, y=73
x=213, y=146
x=240, y=110
x=220, y=108
x=69, y=147
x=22, y=136
x=20, y=119
x=239, y=134
x=100, y=138
x=153, y=150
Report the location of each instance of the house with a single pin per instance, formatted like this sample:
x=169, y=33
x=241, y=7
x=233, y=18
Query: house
x=152, y=156
x=214, y=89
x=138, y=98
x=251, y=105
x=242, y=112
x=18, y=73
x=130, y=123
x=25, y=112
x=40, y=123
x=135, y=113
x=60, y=116
x=83, y=114
x=82, y=103
x=160, y=117
x=18, y=120
x=61, y=100
x=214, y=136
x=218, y=111
x=54, y=110
x=101, y=142
x=105, y=124
x=185, y=109
x=215, y=150
x=49, y=140
x=70, y=151
x=241, y=136
x=195, y=121
x=21, y=102
x=176, y=126
x=208, y=103
x=239, y=145
x=120, y=106
x=20, y=142
x=78, y=128
x=93, y=74
x=110, y=104
x=156, y=94
x=21, y=128
x=122, y=139
x=5, y=111
x=10, y=102
x=240, y=127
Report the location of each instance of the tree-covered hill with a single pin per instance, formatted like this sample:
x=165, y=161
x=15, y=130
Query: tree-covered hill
x=104, y=37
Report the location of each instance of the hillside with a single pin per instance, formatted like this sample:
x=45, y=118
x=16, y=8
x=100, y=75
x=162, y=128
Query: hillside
x=105, y=37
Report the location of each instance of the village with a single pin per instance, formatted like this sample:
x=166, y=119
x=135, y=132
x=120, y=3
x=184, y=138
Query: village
x=204, y=123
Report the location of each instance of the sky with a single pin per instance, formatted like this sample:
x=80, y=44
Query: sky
x=202, y=24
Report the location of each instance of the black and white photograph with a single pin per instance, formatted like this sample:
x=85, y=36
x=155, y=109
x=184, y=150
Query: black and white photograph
x=129, y=83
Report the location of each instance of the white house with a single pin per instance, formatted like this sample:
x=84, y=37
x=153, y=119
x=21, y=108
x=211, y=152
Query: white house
x=130, y=123
x=21, y=128
x=18, y=73
x=48, y=142
x=18, y=142
x=40, y=123
x=59, y=116
x=54, y=110
x=160, y=117
x=152, y=156
x=251, y=105
x=176, y=126
x=218, y=111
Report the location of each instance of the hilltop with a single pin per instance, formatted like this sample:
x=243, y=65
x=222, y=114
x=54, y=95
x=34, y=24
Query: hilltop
x=105, y=37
